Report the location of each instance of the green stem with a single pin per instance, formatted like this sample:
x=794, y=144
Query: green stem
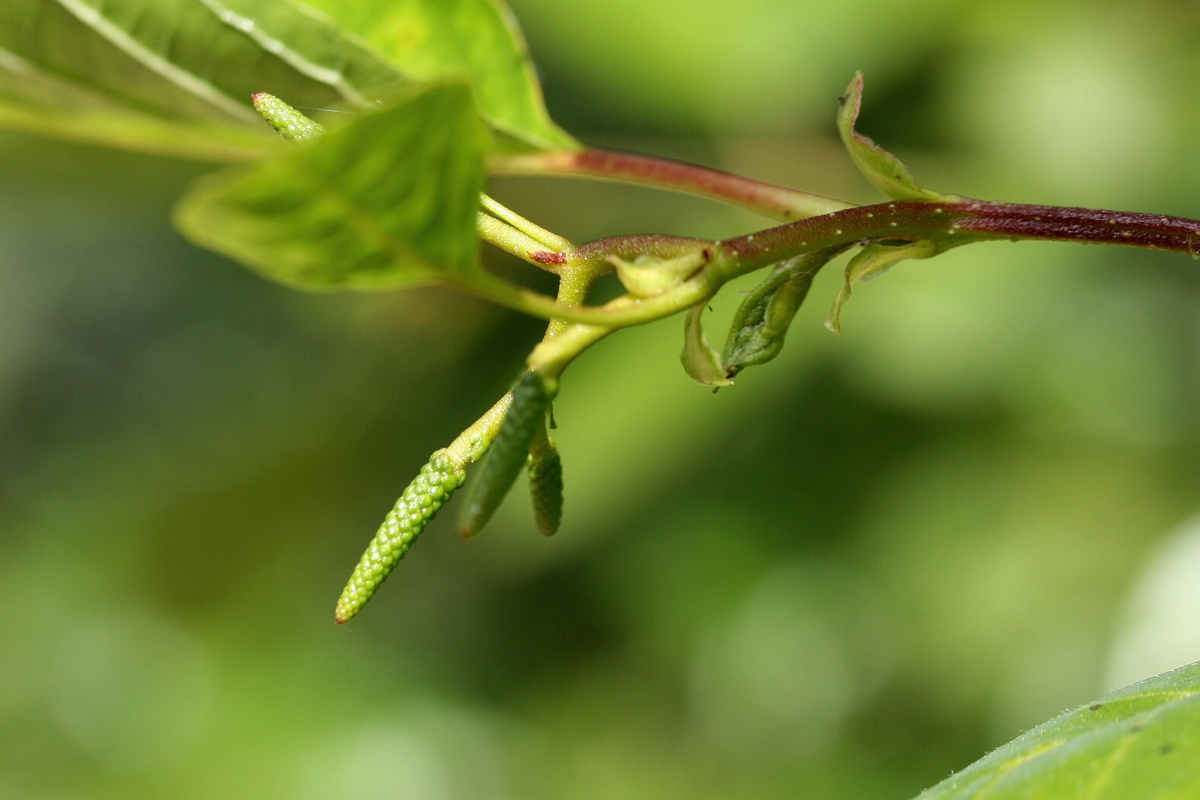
x=778, y=202
x=547, y=240
x=516, y=242
x=575, y=282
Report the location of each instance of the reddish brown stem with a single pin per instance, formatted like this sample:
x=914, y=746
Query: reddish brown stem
x=770, y=199
x=952, y=223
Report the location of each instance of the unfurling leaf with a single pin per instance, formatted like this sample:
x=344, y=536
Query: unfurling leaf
x=762, y=320
x=415, y=509
x=647, y=276
x=885, y=172
x=700, y=361
x=507, y=455
x=871, y=262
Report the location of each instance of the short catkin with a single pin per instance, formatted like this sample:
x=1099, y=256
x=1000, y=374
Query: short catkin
x=416, y=507
x=546, y=488
x=507, y=455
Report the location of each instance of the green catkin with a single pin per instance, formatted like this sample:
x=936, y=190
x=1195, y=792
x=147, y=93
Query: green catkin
x=508, y=453
x=287, y=121
x=416, y=507
x=546, y=487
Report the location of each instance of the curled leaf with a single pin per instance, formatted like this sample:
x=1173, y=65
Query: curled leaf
x=762, y=320
x=415, y=509
x=871, y=262
x=700, y=361
x=885, y=172
x=647, y=276
x=507, y=455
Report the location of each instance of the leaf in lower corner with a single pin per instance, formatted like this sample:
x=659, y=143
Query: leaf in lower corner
x=1137, y=743
x=388, y=200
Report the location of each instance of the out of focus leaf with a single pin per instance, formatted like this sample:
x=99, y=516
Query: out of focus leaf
x=479, y=39
x=386, y=201
x=1138, y=743
x=175, y=76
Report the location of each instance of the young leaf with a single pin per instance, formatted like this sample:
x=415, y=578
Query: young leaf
x=508, y=454
x=649, y=276
x=700, y=361
x=885, y=172
x=762, y=320
x=871, y=262
x=432, y=39
x=388, y=200
x=415, y=509
x=173, y=76
x=1137, y=743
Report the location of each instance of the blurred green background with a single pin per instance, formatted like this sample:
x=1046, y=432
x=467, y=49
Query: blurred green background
x=859, y=569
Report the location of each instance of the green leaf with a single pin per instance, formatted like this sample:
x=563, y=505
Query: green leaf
x=885, y=172
x=762, y=320
x=479, y=39
x=700, y=361
x=650, y=275
x=388, y=200
x=175, y=76
x=1137, y=743
x=871, y=262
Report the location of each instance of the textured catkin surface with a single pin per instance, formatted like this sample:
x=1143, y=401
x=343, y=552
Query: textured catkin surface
x=508, y=454
x=417, y=506
x=546, y=491
x=287, y=121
